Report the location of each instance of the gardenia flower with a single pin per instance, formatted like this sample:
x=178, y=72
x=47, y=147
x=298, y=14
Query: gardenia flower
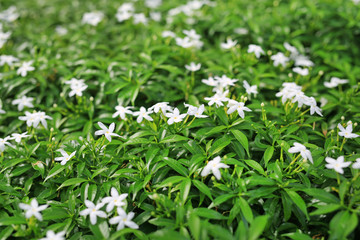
x=301, y=71
x=115, y=200
x=22, y=102
x=25, y=68
x=337, y=164
x=356, y=165
x=218, y=98
x=257, y=50
x=299, y=148
x=123, y=220
x=347, y=133
x=108, y=132
x=143, y=114
x=94, y=211
x=8, y=59
x=17, y=137
x=250, y=89
x=92, y=18
x=33, y=119
x=175, y=116
x=193, y=67
x=51, y=235
x=33, y=209
x=228, y=44
x=163, y=106
x=214, y=166
x=237, y=106
x=65, y=157
x=121, y=111
x=194, y=111
x=334, y=82
x=279, y=59
x=3, y=142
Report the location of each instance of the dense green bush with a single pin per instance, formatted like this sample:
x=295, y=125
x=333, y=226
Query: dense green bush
x=267, y=149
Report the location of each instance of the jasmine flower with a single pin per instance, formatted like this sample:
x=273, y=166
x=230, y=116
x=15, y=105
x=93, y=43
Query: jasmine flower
x=143, y=113
x=33, y=209
x=108, y=132
x=94, y=211
x=347, y=133
x=237, y=106
x=65, y=157
x=115, y=200
x=337, y=164
x=123, y=220
x=214, y=166
x=299, y=148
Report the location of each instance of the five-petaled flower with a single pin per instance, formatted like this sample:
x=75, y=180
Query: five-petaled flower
x=33, y=209
x=123, y=220
x=121, y=111
x=25, y=68
x=237, y=106
x=337, y=164
x=17, y=136
x=143, y=113
x=94, y=211
x=65, y=157
x=214, y=166
x=299, y=148
x=347, y=133
x=51, y=235
x=108, y=132
x=23, y=102
x=193, y=67
x=175, y=116
x=115, y=200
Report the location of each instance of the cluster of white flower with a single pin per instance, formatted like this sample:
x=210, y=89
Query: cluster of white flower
x=92, y=18
x=191, y=39
x=4, y=36
x=293, y=92
x=189, y=9
x=123, y=219
x=77, y=87
x=9, y=15
x=33, y=119
x=127, y=11
x=8, y=59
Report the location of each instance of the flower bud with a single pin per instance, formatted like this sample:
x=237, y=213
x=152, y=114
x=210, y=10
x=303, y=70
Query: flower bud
x=342, y=118
x=262, y=104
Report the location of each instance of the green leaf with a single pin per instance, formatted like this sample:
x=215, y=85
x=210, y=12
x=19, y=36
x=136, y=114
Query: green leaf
x=257, y=227
x=208, y=213
x=54, y=213
x=242, y=139
x=5, y=221
x=268, y=154
x=322, y=195
x=55, y=170
x=255, y=165
x=176, y=166
x=100, y=230
x=72, y=181
x=219, y=145
x=297, y=236
x=202, y=188
x=174, y=138
x=195, y=226
x=185, y=189
x=222, y=198
x=246, y=210
x=298, y=201
x=323, y=209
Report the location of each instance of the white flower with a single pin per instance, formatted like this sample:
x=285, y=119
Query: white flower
x=4, y=36
x=51, y=235
x=210, y=82
x=9, y=15
x=65, y=157
x=140, y=18
x=94, y=211
x=92, y=18
x=214, y=166
x=25, y=68
x=194, y=111
x=175, y=116
x=33, y=209
x=121, y=111
x=2, y=111
x=337, y=164
x=237, y=106
x=347, y=133
x=166, y=34
x=23, y=101
x=299, y=148
x=313, y=107
x=193, y=67
x=143, y=114
x=334, y=82
x=250, y=89
x=123, y=220
x=153, y=3
x=192, y=34
x=115, y=200
x=218, y=98
x=303, y=61
x=225, y=81
x=279, y=59
x=73, y=82
x=156, y=16
x=301, y=71
x=8, y=59
x=289, y=91
x=241, y=31
x=108, y=132
x=77, y=90
x=356, y=165
x=125, y=11
x=3, y=142
x=257, y=50
x=163, y=106
x=228, y=44
x=17, y=137
x=33, y=119
x=291, y=49
x=61, y=30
